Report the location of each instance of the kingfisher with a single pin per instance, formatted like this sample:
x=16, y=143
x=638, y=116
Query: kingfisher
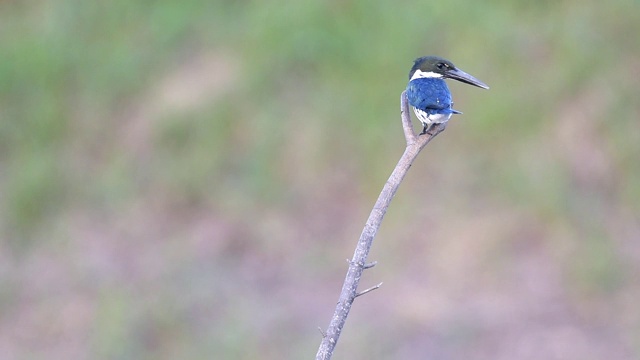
x=429, y=94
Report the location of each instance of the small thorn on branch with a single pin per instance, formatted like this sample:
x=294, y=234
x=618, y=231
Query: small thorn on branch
x=370, y=265
x=368, y=290
x=324, y=335
x=364, y=266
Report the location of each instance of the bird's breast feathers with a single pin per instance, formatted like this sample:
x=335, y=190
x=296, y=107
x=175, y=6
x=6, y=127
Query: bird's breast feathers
x=432, y=93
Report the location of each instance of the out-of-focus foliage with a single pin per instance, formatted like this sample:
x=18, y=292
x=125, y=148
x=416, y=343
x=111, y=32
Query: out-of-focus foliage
x=183, y=179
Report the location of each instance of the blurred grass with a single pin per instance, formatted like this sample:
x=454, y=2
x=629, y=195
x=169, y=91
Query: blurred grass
x=217, y=156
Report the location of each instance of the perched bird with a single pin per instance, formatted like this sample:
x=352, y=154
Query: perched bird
x=429, y=95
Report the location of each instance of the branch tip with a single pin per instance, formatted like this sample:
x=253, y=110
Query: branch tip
x=407, y=126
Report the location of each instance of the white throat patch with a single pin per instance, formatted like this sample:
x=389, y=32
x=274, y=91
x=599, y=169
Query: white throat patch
x=419, y=74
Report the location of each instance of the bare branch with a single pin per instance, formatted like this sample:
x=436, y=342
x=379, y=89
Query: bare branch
x=415, y=143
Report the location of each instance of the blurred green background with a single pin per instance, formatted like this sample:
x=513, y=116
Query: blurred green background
x=184, y=179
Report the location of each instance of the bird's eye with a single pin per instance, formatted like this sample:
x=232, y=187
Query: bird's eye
x=440, y=65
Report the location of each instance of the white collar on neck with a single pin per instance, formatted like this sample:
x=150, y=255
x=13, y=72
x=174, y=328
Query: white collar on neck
x=419, y=74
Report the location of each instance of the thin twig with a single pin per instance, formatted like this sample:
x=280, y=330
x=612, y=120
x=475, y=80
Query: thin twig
x=415, y=143
x=368, y=290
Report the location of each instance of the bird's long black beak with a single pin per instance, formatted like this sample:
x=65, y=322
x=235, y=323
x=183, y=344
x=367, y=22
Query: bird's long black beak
x=460, y=75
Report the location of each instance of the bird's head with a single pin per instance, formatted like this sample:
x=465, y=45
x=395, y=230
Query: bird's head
x=437, y=67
